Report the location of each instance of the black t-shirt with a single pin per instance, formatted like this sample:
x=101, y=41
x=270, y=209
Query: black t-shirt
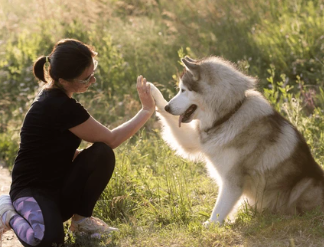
x=47, y=146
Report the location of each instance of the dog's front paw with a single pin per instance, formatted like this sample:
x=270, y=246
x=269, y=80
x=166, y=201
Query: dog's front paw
x=157, y=96
x=206, y=223
x=210, y=223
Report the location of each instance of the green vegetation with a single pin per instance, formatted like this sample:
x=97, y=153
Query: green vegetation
x=155, y=197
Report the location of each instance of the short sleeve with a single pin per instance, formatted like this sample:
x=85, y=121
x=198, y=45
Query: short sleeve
x=71, y=114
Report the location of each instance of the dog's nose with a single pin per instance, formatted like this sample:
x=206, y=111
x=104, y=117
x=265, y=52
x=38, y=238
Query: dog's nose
x=167, y=108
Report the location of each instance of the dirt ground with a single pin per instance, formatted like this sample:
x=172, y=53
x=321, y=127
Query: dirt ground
x=9, y=239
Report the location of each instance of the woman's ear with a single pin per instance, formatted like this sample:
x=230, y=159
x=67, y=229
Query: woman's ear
x=62, y=82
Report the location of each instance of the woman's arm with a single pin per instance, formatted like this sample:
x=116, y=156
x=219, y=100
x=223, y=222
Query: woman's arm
x=93, y=131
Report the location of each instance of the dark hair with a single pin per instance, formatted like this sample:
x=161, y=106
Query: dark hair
x=68, y=59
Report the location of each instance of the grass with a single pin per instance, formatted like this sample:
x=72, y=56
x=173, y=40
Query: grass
x=265, y=230
x=156, y=198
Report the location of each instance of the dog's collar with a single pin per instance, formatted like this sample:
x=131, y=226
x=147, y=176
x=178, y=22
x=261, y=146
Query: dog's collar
x=227, y=116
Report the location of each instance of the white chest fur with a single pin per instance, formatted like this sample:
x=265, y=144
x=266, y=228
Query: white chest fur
x=220, y=161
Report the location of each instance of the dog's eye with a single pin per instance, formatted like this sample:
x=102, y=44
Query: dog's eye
x=182, y=90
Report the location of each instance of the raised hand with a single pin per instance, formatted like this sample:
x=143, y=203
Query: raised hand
x=144, y=92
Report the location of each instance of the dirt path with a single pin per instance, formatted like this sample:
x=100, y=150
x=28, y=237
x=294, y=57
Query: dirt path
x=9, y=239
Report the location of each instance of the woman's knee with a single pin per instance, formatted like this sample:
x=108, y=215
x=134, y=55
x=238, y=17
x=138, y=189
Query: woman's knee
x=103, y=152
x=104, y=155
x=102, y=147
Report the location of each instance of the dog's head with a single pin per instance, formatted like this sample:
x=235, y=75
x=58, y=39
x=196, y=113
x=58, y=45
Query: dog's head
x=207, y=86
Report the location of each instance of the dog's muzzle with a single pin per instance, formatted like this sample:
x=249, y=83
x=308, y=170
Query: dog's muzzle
x=185, y=117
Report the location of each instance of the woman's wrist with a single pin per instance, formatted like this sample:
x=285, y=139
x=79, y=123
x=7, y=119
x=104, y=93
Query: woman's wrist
x=148, y=110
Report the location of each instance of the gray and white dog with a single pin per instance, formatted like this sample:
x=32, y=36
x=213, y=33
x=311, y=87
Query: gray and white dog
x=254, y=153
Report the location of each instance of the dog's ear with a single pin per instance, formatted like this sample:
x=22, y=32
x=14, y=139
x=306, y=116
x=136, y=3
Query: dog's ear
x=192, y=67
x=189, y=59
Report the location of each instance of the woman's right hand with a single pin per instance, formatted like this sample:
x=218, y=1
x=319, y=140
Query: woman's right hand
x=144, y=92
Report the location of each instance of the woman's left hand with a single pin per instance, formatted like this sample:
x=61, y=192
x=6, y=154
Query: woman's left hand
x=93, y=131
x=144, y=93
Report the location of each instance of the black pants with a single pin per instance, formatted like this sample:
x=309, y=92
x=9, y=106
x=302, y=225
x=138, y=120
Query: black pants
x=85, y=181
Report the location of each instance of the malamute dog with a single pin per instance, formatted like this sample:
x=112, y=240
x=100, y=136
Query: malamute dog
x=250, y=149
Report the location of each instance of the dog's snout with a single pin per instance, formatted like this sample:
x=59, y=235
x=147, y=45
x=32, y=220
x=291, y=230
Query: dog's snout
x=167, y=108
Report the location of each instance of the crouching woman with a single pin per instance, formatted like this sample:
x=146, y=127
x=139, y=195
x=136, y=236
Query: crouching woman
x=51, y=180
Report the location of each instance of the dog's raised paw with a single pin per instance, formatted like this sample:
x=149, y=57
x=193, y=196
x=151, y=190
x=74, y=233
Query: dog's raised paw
x=154, y=90
x=157, y=96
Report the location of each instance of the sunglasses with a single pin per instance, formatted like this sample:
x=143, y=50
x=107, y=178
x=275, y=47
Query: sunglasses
x=86, y=81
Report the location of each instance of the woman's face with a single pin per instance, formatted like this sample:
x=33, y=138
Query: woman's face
x=82, y=82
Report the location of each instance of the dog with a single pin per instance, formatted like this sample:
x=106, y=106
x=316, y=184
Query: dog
x=254, y=153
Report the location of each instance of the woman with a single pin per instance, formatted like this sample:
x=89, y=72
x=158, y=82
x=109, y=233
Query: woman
x=51, y=180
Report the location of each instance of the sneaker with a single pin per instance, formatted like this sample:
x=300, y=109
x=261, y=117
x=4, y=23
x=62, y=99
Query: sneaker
x=91, y=225
x=5, y=207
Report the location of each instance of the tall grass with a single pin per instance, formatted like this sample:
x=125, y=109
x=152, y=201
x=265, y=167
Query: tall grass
x=155, y=197
x=150, y=181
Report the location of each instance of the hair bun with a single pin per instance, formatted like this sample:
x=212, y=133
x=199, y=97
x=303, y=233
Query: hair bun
x=39, y=68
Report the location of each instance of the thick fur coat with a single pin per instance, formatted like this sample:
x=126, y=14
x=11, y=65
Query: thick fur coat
x=254, y=153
